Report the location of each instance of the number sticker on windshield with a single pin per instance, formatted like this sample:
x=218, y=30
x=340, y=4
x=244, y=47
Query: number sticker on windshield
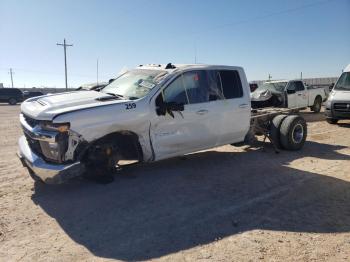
x=130, y=106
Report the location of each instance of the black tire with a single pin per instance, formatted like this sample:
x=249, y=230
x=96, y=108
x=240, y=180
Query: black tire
x=332, y=121
x=100, y=163
x=12, y=101
x=275, y=130
x=293, y=132
x=316, y=108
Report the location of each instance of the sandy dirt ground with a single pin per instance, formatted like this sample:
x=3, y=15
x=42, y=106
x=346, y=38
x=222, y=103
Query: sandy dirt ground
x=225, y=204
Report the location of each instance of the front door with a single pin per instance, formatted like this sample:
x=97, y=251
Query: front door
x=301, y=94
x=190, y=130
x=291, y=95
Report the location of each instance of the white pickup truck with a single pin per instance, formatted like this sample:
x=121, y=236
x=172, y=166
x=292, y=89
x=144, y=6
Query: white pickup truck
x=291, y=94
x=147, y=114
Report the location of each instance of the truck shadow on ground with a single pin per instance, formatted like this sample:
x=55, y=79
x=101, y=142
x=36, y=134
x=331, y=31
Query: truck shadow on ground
x=157, y=209
x=342, y=124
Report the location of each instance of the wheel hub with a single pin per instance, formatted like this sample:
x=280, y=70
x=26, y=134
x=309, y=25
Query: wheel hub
x=298, y=133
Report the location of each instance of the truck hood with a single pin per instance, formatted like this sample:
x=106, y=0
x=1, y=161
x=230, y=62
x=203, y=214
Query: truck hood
x=48, y=106
x=340, y=95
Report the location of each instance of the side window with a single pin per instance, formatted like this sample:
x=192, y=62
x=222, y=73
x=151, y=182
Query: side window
x=196, y=85
x=214, y=84
x=175, y=92
x=231, y=84
x=292, y=86
x=299, y=86
x=202, y=86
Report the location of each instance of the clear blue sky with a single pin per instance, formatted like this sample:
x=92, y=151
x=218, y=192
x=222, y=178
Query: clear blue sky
x=279, y=37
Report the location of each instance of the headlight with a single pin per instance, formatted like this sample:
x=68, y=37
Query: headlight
x=55, y=151
x=60, y=127
x=264, y=94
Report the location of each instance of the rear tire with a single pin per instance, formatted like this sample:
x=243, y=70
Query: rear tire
x=275, y=130
x=293, y=132
x=12, y=101
x=316, y=108
x=332, y=121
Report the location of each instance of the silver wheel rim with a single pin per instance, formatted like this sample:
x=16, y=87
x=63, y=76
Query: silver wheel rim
x=298, y=133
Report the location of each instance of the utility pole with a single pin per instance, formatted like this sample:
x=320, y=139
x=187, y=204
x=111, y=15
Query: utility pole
x=270, y=77
x=11, y=73
x=65, y=59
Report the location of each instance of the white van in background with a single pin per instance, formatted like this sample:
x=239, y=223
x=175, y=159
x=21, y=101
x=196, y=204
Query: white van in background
x=338, y=103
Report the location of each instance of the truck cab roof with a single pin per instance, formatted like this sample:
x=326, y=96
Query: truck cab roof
x=176, y=67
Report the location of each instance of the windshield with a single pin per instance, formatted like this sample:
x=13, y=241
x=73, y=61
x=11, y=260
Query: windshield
x=273, y=87
x=343, y=82
x=135, y=84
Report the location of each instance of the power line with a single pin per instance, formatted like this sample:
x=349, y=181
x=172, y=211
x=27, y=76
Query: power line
x=50, y=72
x=261, y=17
x=65, y=59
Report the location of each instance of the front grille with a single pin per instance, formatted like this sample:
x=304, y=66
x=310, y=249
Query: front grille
x=342, y=107
x=31, y=121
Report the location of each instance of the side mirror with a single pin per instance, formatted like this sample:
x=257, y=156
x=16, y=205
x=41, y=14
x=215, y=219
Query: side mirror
x=173, y=106
x=169, y=107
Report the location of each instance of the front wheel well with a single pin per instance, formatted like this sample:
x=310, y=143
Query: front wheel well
x=318, y=97
x=127, y=142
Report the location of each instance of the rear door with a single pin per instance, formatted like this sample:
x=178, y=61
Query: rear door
x=235, y=108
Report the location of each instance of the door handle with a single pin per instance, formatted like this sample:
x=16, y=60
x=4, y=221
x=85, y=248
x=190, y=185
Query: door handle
x=243, y=106
x=300, y=94
x=202, y=112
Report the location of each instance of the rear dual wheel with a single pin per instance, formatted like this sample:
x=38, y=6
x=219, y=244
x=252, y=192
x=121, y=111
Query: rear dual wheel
x=275, y=130
x=288, y=132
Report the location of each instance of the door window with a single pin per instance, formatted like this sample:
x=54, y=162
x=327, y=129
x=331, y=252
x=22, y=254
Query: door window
x=201, y=86
x=292, y=86
x=231, y=84
x=176, y=92
x=215, y=87
x=299, y=86
x=196, y=85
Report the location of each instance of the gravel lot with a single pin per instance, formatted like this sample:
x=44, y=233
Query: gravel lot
x=225, y=204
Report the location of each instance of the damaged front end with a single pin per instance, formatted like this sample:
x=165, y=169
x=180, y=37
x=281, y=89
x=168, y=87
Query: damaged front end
x=266, y=98
x=49, y=150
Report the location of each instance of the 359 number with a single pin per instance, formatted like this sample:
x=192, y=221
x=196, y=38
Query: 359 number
x=130, y=106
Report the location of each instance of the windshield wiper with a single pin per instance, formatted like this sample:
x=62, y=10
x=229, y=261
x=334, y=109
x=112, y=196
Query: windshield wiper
x=111, y=97
x=116, y=95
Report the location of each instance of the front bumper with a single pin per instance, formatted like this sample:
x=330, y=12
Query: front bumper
x=48, y=173
x=336, y=114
